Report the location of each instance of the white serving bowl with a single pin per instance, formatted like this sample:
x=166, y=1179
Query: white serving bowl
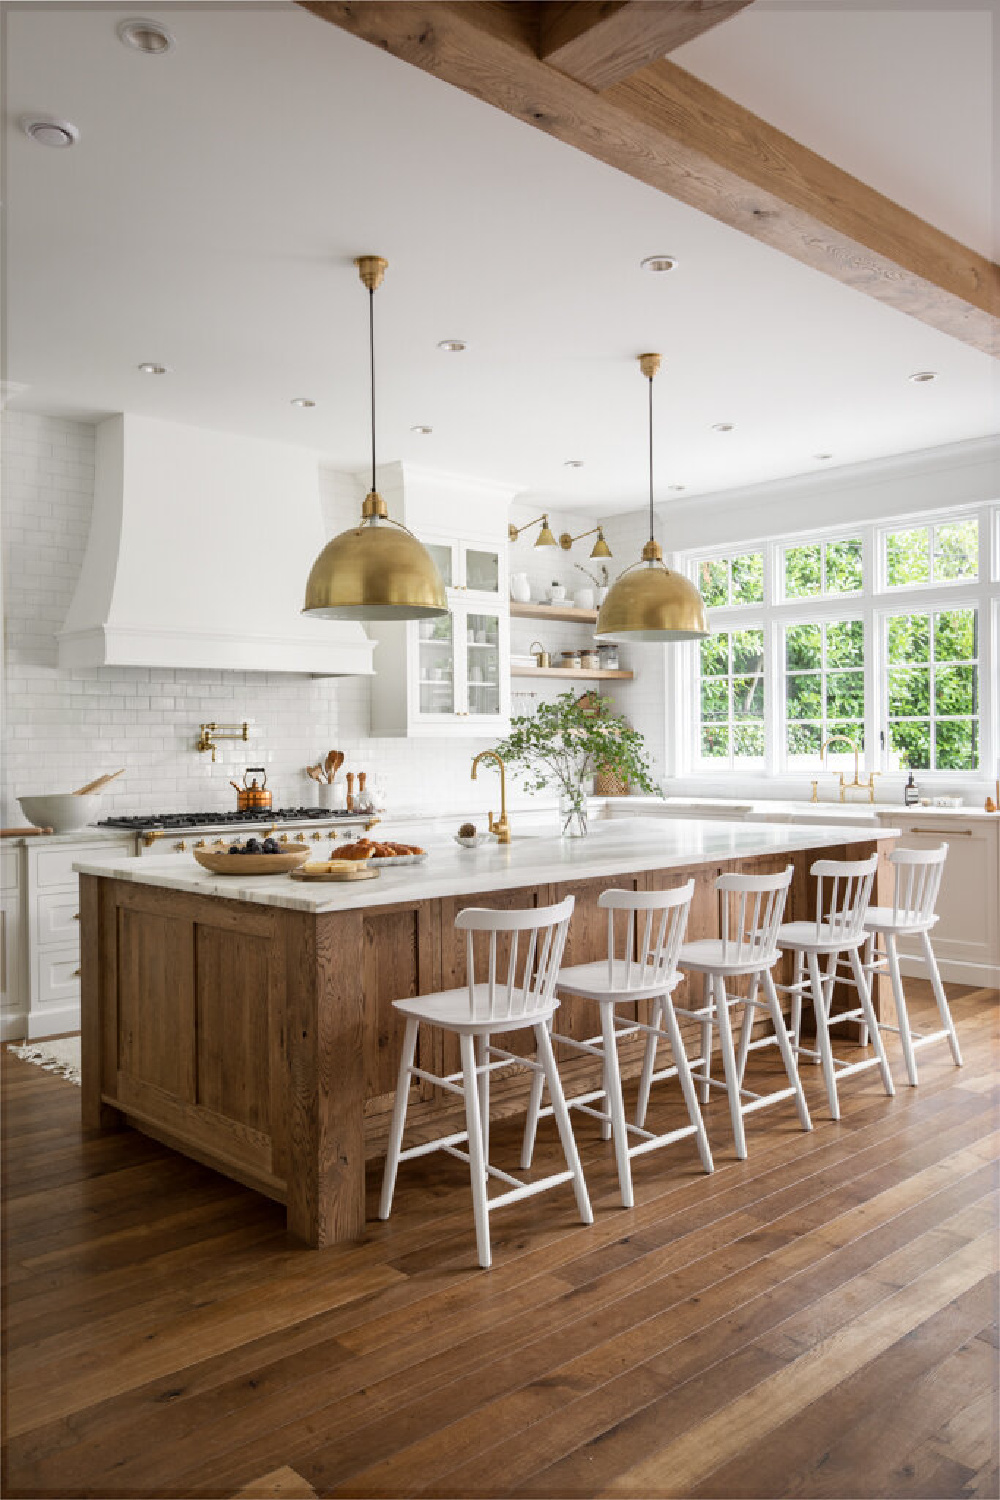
x=63, y=812
x=473, y=842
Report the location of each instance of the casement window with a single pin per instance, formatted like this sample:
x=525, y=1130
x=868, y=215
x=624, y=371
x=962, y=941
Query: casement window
x=885, y=637
x=731, y=698
x=945, y=552
x=812, y=569
x=824, y=687
x=731, y=581
x=933, y=699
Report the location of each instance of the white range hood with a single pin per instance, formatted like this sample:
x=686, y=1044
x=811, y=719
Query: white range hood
x=199, y=550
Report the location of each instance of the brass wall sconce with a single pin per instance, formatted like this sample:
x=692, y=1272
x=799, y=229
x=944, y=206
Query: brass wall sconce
x=210, y=733
x=545, y=537
x=600, y=548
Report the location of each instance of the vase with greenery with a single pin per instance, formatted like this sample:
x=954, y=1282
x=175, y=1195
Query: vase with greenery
x=563, y=743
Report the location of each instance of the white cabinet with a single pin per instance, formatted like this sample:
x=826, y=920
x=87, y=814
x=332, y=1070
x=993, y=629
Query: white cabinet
x=51, y=931
x=469, y=567
x=13, y=992
x=444, y=676
x=448, y=676
x=966, y=938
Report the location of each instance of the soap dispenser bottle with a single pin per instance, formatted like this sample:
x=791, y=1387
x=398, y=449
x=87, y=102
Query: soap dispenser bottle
x=911, y=795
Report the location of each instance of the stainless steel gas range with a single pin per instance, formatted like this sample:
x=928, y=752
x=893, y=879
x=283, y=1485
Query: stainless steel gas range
x=177, y=833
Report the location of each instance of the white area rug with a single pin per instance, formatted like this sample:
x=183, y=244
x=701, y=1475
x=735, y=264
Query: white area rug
x=62, y=1056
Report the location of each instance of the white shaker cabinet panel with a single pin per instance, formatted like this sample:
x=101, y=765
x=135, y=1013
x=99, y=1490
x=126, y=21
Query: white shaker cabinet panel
x=966, y=938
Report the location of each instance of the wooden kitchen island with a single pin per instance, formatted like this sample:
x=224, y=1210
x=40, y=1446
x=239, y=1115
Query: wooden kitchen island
x=249, y=1023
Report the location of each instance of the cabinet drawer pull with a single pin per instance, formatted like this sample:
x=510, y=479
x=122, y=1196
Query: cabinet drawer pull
x=77, y=973
x=76, y=916
x=948, y=833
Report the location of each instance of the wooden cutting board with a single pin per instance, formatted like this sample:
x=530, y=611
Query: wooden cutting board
x=361, y=873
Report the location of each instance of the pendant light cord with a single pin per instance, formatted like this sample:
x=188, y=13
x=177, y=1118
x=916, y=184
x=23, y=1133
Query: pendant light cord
x=371, y=363
x=650, y=458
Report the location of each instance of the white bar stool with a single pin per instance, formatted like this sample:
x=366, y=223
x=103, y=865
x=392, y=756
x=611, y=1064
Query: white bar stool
x=524, y=998
x=642, y=965
x=751, y=908
x=843, y=888
x=918, y=880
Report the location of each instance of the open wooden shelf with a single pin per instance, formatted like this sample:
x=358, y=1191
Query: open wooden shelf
x=583, y=674
x=553, y=612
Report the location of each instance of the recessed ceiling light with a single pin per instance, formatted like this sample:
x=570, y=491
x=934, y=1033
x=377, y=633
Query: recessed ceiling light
x=658, y=263
x=922, y=376
x=303, y=401
x=722, y=426
x=676, y=487
x=144, y=36
x=48, y=131
x=573, y=463
x=451, y=346
x=149, y=368
x=423, y=429
x=822, y=455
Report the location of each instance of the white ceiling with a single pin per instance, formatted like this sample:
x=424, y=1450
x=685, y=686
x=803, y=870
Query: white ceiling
x=208, y=217
x=898, y=92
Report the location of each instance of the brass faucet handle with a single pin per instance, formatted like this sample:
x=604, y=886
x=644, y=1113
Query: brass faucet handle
x=871, y=784
x=815, y=791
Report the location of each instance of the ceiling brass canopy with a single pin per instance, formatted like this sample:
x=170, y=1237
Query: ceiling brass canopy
x=650, y=602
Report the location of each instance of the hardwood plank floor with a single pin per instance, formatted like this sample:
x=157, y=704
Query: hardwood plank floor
x=819, y=1320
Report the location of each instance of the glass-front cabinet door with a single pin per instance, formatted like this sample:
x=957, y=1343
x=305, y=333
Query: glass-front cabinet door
x=482, y=664
x=436, y=666
x=480, y=569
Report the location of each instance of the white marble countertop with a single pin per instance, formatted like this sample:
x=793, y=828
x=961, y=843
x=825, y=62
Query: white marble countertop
x=616, y=847
x=762, y=805
x=89, y=835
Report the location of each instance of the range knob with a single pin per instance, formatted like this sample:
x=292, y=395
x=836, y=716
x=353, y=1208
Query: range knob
x=316, y=837
x=200, y=844
x=180, y=846
x=283, y=838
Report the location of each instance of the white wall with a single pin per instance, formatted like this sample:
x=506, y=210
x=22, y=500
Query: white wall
x=957, y=474
x=63, y=727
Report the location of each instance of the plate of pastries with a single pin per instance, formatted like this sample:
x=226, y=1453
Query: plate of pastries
x=382, y=852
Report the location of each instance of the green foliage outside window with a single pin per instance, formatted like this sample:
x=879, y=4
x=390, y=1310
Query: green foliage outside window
x=933, y=689
x=732, y=696
x=723, y=581
x=824, y=685
x=823, y=568
x=944, y=553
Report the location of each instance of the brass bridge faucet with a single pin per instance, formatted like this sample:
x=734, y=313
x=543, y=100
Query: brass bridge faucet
x=498, y=826
x=845, y=786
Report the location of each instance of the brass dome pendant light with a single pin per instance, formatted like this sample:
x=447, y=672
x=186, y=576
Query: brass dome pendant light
x=649, y=602
x=378, y=570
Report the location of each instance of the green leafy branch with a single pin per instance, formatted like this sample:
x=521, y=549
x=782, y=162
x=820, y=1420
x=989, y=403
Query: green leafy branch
x=570, y=739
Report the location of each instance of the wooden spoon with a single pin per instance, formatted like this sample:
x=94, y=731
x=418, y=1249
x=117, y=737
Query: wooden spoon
x=96, y=786
x=334, y=761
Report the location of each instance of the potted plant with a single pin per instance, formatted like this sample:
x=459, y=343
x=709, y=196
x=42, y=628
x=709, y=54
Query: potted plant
x=564, y=742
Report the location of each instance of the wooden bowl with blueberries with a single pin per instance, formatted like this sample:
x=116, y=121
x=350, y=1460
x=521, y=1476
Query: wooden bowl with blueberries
x=253, y=857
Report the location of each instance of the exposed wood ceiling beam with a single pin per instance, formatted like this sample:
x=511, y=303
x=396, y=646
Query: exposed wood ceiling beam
x=666, y=128
x=601, y=42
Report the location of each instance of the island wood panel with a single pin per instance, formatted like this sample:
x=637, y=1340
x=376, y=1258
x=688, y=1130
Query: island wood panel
x=232, y=1025
x=190, y=1044
x=326, y=1077
x=156, y=1001
x=400, y=957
